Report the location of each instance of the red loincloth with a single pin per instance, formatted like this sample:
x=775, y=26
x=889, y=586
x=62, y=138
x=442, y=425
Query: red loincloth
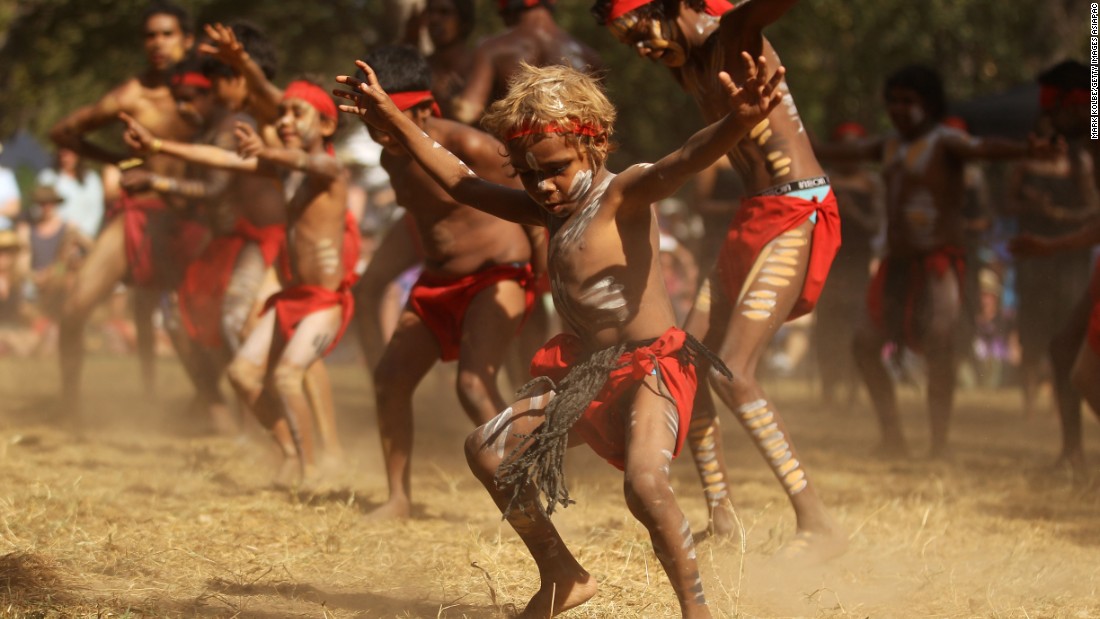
x=160, y=242
x=442, y=302
x=202, y=292
x=761, y=219
x=604, y=424
x=896, y=295
x=296, y=301
x=293, y=304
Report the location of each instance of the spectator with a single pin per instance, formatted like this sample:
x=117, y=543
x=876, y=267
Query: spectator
x=9, y=197
x=56, y=248
x=80, y=188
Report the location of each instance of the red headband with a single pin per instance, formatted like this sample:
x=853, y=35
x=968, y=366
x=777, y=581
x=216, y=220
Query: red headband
x=313, y=95
x=1050, y=96
x=622, y=7
x=191, y=78
x=575, y=127
x=847, y=129
x=411, y=99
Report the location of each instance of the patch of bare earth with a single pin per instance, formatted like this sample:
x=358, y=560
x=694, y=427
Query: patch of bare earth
x=144, y=514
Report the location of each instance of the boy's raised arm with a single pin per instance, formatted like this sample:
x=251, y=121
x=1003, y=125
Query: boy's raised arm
x=226, y=48
x=748, y=105
x=374, y=106
x=144, y=142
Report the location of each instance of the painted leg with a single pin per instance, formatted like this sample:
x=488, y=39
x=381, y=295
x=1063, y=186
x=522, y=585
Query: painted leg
x=412, y=351
x=319, y=391
x=246, y=374
x=867, y=350
x=203, y=366
x=488, y=329
x=285, y=382
x=653, y=425
x=564, y=584
x=100, y=272
x=705, y=433
x=771, y=290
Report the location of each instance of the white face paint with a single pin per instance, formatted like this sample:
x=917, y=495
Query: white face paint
x=531, y=161
x=582, y=182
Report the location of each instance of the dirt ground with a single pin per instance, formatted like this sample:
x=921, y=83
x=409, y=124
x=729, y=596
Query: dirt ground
x=146, y=516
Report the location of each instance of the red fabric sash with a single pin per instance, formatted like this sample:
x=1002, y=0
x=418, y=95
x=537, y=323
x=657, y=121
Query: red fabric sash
x=603, y=425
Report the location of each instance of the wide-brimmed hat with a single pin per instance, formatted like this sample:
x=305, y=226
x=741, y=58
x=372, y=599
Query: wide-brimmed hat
x=46, y=193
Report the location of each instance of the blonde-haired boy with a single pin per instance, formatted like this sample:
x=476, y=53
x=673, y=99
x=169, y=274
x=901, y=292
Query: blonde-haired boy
x=624, y=383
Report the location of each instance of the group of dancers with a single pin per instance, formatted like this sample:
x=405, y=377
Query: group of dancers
x=235, y=205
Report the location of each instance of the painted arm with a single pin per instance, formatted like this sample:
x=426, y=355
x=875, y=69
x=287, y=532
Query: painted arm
x=144, y=142
x=373, y=106
x=250, y=145
x=211, y=184
x=643, y=185
x=225, y=47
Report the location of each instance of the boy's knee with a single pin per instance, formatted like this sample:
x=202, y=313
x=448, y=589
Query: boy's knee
x=482, y=460
x=645, y=487
x=288, y=379
x=245, y=375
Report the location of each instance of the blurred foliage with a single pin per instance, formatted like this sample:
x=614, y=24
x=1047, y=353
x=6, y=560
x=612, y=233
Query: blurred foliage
x=58, y=54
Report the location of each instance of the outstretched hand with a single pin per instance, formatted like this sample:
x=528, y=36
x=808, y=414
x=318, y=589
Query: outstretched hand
x=223, y=45
x=758, y=95
x=371, y=103
x=136, y=136
x=1045, y=148
x=249, y=143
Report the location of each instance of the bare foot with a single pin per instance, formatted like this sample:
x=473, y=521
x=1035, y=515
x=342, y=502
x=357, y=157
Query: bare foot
x=723, y=520
x=560, y=594
x=393, y=509
x=814, y=547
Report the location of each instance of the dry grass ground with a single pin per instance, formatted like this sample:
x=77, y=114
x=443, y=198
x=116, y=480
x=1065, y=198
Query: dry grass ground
x=143, y=516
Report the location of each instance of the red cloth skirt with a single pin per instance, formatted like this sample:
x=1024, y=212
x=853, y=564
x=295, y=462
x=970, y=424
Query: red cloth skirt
x=604, y=424
x=896, y=297
x=160, y=242
x=1094, y=318
x=442, y=302
x=202, y=293
x=293, y=304
x=761, y=219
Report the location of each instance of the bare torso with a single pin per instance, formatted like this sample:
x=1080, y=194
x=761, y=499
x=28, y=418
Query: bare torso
x=315, y=229
x=154, y=107
x=605, y=273
x=458, y=239
x=777, y=150
x=924, y=192
x=538, y=46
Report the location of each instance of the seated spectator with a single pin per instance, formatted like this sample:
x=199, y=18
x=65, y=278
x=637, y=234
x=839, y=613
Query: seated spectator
x=56, y=248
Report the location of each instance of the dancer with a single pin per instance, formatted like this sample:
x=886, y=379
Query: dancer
x=777, y=252
x=476, y=285
x=305, y=320
x=145, y=242
x=625, y=381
